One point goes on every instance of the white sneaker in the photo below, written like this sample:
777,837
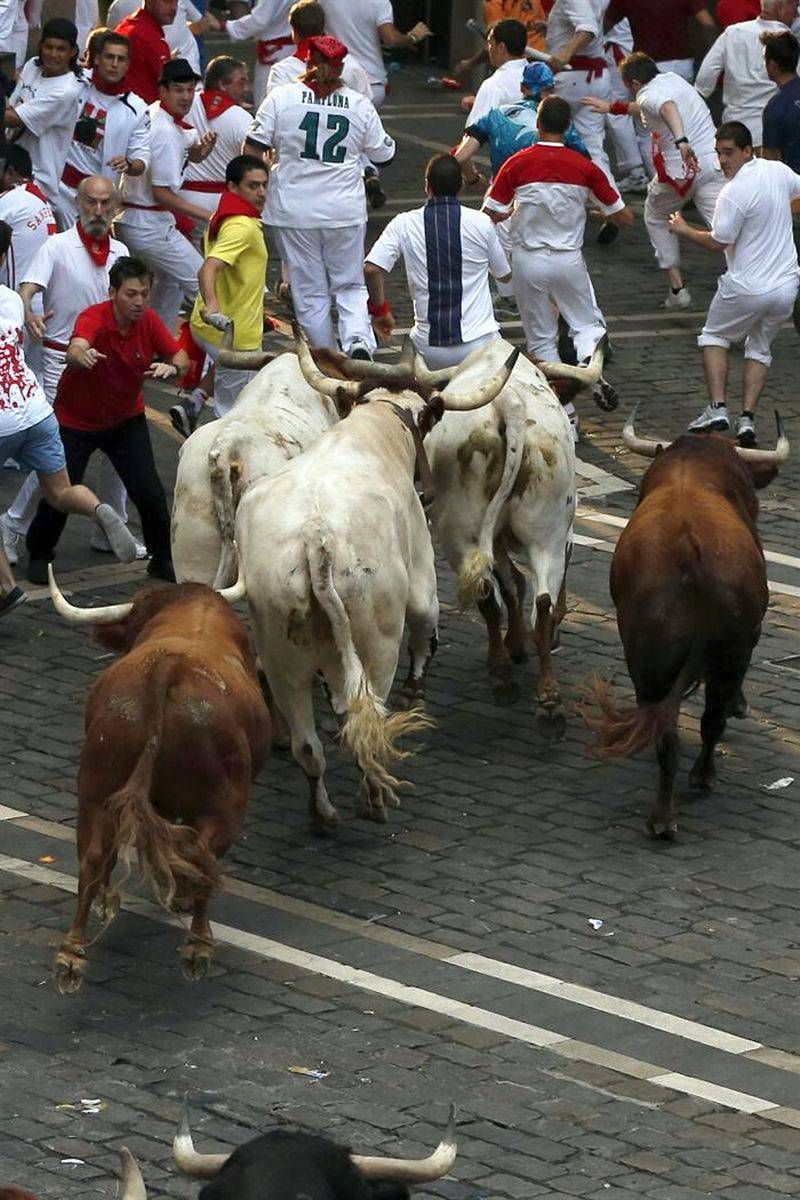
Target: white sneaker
680,299
101,544
636,181
11,542
713,419
359,350
746,431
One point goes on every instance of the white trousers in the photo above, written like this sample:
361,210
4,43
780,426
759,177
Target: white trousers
109,487
326,266
572,86
662,200
543,278
439,357
174,261
378,93
754,320
228,382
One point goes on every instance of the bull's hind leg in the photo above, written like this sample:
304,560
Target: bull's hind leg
504,686
198,949
512,589
722,694
548,696
297,705
422,618
96,856
662,822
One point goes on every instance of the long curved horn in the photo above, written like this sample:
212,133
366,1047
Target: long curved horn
414,1170
186,1158
432,378
237,591
466,401
83,616
644,446
775,457
244,360
132,1183
315,378
407,354
586,375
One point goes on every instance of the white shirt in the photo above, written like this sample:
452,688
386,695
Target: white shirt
22,400
32,222
178,35
502,87
268,22
288,69
746,88
481,253
318,178
71,281
87,18
697,123
169,146
49,109
356,22
231,128
568,17
123,128
752,218
620,35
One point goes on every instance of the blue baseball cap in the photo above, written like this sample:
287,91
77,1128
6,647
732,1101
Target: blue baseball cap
537,76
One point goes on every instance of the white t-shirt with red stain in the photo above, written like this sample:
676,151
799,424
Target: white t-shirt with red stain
547,187
48,106
32,221
22,400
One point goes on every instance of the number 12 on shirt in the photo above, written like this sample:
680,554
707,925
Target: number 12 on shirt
333,151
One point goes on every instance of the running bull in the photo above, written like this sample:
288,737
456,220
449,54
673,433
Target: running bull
337,558
689,583
175,731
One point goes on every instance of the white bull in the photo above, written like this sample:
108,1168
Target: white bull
337,557
504,480
276,417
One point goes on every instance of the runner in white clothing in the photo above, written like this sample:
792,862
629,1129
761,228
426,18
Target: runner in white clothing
307,19
112,133
448,251
268,23
153,202
684,156
367,27
320,129
505,46
217,109
752,225
44,104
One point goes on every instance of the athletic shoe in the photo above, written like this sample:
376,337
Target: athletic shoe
679,299
37,571
161,568
360,350
636,182
11,541
100,543
609,232
183,418
120,538
746,431
605,396
12,599
713,419
375,193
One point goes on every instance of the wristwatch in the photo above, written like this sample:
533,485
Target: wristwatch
681,140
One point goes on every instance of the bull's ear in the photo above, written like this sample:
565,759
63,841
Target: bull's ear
761,473
431,414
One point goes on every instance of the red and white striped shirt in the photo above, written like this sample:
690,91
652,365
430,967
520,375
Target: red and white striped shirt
547,187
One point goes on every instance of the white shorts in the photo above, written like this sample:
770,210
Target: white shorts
754,320
440,357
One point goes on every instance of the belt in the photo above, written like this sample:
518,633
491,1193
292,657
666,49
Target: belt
265,51
144,207
594,67
71,176
203,185
50,344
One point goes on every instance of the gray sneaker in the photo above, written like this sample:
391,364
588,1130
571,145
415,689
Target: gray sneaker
120,538
746,431
713,419
12,600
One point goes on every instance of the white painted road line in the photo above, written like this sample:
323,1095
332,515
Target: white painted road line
458,1010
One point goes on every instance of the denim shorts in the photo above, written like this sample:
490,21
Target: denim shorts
37,448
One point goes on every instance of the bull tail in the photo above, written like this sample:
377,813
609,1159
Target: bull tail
171,859
623,731
225,477
370,732
475,580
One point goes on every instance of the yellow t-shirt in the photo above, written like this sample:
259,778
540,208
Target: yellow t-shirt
239,285
526,11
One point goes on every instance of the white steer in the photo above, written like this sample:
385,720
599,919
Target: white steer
276,417
337,557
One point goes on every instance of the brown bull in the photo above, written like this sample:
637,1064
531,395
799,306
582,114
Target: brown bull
175,732
689,583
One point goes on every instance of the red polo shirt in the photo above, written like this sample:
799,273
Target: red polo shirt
111,392
660,27
149,52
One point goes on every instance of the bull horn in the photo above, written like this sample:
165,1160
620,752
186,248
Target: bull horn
132,1183
432,378
237,591
775,457
644,446
186,1158
83,616
407,355
466,401
244,360
315,378
413,1170
586,375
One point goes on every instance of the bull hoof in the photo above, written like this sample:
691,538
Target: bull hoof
505,688
196,960
701,780
409,696
740,709
517,651
68,972
551,719
664,831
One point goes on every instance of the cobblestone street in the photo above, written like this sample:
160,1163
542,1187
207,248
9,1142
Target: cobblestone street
612,1016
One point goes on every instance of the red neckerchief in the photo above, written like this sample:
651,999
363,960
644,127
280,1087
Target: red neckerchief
231,205
31,187
98,251
179,121
215,103
109,89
